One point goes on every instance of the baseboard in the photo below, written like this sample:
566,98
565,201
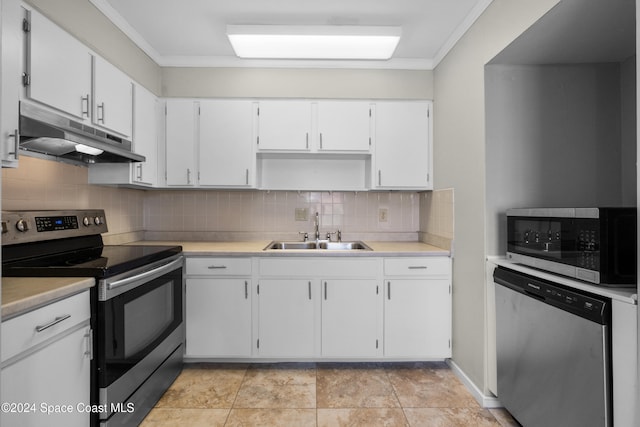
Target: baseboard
486,401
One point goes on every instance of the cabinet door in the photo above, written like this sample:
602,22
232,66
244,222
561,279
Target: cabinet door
58,374
181,142
145,136
226,143
402,145
284,125
417,320
113,97
218,317
59,68
344,125
351,318
287,316
10,72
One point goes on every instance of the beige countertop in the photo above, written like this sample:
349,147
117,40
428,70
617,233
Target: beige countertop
255,248
22,294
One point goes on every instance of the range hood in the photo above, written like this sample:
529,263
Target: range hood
45,132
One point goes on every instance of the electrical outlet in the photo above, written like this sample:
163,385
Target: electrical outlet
383,215
302,214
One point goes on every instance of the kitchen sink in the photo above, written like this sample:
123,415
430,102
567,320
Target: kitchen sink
291,245
344,246
322,245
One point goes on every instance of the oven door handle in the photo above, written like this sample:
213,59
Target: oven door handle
147,275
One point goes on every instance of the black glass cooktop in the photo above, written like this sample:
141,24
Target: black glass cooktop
99,262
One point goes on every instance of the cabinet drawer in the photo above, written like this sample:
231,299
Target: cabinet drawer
20,333
343,267
218,266
436,266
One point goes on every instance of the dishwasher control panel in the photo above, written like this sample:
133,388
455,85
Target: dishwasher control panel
583,304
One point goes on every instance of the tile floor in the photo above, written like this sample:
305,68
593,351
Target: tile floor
323,395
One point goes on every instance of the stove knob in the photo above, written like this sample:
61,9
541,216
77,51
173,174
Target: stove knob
97,221
22,225
86,221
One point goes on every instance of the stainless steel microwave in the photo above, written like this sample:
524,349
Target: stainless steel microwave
597,245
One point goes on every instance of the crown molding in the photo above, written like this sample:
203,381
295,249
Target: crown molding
460,31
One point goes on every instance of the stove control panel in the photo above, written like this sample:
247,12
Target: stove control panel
33,226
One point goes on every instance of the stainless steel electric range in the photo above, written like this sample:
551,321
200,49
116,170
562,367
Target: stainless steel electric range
137,303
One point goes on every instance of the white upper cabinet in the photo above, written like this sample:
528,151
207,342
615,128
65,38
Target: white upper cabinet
318,126
344,125
64,74
181,133
284,125
113,98
59,68
145,136
10,74
226,156
403,145
146,131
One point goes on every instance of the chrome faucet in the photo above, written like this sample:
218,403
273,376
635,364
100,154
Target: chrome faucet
317,225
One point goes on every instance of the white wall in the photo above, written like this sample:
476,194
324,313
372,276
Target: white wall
554,139
292,83
459,153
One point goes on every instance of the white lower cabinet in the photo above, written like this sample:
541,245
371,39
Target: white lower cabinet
287,317
417,318
218,306
417,308
218,317
351,318
46,366
337,308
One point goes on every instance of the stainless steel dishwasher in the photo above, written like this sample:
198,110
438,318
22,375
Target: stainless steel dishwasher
553,352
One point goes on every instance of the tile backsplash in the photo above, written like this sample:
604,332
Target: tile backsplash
250,215
230,215
44,184
436,218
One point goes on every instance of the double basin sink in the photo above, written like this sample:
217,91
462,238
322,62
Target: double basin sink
320,245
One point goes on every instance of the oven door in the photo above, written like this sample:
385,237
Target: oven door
139,325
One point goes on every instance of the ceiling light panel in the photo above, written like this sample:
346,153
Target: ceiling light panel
313,42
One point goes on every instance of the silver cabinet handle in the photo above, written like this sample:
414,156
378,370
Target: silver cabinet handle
16,144
89,350
379,177
246,290
101,110
309,289
418,267
188,176
139,167
55,321
307,140
85,101
325,290
388,290
247,177
217,267
321,140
